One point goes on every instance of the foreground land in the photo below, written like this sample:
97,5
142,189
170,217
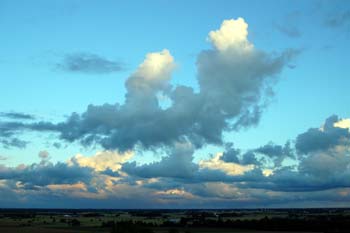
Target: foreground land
174,221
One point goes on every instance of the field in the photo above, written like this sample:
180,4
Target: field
173,221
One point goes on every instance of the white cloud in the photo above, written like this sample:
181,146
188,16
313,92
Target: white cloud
267,172
175,193
344,124
232,169
153,74
103,160
157,65
232,34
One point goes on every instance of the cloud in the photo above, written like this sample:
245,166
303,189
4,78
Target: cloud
89,64
45,173
288,25
232,169
343,123
235,83
288,30
3,157
231,154
232,177
175,194
323,164
233,34
17,116
323,138
108,161
57,145
249,158
13,142
276,152
338,20
178,164
43,155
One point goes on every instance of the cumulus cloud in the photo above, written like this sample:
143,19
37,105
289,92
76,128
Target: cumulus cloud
233,34
178,164
230,177
323,138
276,152
231,154
45,173
235,82
88,63
323,162
109,161
233,169
343,123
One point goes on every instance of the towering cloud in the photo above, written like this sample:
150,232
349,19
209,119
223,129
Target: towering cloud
233,34
235,81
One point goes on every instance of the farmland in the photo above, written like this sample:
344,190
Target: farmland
173,221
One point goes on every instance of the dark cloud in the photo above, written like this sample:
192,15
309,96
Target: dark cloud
271,150
178,168
57,145
276,152
17,116
318,173
324,168
13,142
338,20
178,164
323,165
109,172
231,154
46,173
308,179
249,158
89,63
322,138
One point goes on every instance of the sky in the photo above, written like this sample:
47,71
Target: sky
174,104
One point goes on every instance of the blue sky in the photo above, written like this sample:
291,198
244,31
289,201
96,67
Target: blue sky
59,57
